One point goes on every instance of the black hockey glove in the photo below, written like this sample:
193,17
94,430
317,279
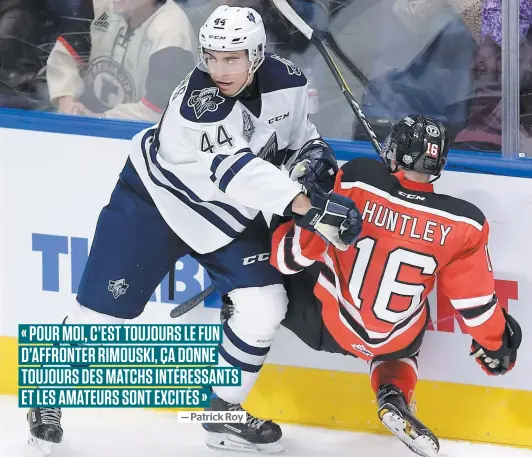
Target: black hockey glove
333,217
315,164
501,361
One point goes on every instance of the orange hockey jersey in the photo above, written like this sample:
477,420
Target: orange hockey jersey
373,296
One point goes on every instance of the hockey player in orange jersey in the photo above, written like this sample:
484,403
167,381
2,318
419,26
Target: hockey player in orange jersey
370,301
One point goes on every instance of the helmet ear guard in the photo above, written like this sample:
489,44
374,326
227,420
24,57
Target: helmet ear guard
417,143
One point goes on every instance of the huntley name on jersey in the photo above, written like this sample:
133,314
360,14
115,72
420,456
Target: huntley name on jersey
404,224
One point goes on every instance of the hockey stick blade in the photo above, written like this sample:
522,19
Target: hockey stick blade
194,301
296,20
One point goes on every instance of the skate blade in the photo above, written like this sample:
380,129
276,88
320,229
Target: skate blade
223,441
45,448
423,444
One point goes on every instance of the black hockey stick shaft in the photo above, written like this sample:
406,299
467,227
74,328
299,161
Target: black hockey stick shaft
188,305
331,42
289,13
347,93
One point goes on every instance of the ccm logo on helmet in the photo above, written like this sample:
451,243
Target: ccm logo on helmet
410,196
217,37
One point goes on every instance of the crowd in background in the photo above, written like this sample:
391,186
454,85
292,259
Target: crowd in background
121,59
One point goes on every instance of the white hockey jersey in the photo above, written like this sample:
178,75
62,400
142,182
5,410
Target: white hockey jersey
130,72
215,162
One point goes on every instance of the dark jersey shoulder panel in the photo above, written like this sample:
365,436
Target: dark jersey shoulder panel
277,73
375,173
203,102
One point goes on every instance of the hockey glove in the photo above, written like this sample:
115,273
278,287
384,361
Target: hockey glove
315,164
501,361
333,217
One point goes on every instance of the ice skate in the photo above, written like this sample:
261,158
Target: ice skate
45,429
397,417
255,435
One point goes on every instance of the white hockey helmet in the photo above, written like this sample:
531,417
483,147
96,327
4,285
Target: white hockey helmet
232,28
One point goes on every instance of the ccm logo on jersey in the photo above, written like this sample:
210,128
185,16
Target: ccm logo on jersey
278,118
410,196
256,258
362,349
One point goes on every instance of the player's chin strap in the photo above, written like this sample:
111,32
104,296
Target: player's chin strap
245,86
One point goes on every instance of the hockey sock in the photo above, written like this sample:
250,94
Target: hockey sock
401,373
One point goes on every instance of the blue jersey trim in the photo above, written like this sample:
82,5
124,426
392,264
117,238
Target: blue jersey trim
232,171
188,197
459,161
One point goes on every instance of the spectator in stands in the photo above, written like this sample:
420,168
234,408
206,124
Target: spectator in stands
416,55
28,30
483,130
139,51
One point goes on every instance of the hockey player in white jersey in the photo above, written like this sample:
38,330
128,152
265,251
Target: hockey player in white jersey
196,184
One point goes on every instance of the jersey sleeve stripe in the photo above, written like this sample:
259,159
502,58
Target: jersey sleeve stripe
289,258
297,253
282,265
278,248
184,194
460,304
216,163
238,216
226,160
238,165
475,312
70,50
484,316
475,316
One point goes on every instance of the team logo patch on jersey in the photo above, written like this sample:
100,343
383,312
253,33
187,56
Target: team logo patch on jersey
292,68
111,82
248,128
269,152
203,100
432,130
118,287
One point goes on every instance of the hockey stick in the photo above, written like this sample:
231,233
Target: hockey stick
289,13
188,305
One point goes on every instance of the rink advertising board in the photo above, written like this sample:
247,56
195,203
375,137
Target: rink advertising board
57,173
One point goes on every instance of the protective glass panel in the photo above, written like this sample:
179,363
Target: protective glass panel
122,59
525,78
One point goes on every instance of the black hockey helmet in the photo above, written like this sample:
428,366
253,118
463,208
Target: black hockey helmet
417,143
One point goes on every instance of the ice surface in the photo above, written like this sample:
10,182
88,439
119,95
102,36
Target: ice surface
136,432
